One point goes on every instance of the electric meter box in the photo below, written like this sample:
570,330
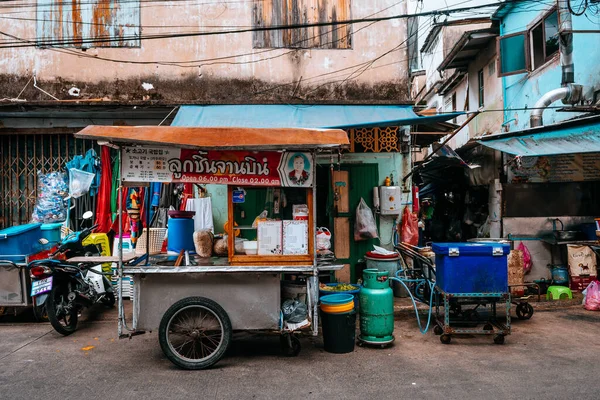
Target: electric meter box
389,200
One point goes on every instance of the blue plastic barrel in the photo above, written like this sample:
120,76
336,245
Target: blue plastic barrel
181,234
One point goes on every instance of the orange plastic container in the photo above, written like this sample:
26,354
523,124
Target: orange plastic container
338,308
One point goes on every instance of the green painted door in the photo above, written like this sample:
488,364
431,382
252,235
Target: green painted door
360,182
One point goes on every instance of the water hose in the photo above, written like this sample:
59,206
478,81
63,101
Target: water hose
403,281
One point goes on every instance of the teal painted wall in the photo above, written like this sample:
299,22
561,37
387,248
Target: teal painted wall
388,163
523,90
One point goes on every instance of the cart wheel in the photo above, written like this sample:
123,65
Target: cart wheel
471,315
438,330
524,310
290,345
488,327
499,339
445,339
194,333
455,309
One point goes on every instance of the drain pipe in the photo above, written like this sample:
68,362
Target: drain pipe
569,93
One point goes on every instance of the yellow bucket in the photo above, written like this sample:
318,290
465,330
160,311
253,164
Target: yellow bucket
338,308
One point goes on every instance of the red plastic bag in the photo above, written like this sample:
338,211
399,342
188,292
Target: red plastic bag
527,262
592,296
410,229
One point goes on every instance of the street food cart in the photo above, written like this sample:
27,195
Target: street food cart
196,304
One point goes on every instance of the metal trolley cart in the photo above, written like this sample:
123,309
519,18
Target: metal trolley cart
197,303
15,287
460,315
472,282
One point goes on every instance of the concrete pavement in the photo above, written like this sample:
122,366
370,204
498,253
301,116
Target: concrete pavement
553,355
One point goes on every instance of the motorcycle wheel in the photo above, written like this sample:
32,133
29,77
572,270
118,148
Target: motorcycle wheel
195,333
109,300
63,323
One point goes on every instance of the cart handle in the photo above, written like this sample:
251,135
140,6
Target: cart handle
10,264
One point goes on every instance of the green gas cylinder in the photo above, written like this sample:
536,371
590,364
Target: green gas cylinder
376,308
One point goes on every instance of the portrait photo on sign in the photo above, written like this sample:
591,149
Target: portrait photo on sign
298,169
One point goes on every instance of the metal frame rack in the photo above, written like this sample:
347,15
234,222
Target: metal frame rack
454,320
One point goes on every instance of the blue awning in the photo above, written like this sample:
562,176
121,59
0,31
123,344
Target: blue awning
580,135
303,116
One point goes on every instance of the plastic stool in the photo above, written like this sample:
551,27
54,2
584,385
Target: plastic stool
558,293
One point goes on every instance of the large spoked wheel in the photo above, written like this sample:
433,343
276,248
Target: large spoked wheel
61,315
195,333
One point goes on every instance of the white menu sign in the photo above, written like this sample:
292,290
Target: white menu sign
269,238
148,164
295,237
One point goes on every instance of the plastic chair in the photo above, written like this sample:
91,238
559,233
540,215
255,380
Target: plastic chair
558,293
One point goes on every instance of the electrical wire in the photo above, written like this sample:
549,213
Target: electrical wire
585,5
82,41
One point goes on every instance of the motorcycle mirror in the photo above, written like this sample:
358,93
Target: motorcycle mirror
88,215
43,241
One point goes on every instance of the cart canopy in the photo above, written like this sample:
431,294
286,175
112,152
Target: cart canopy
219,138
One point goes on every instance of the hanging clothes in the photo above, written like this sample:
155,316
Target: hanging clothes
203,208
103,212
116,180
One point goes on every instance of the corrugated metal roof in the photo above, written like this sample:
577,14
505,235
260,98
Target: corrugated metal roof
580,135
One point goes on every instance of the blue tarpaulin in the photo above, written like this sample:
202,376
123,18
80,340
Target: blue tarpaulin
576,136
303,116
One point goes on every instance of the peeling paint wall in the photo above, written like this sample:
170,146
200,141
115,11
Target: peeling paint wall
296,12
88,23
207,68
487,122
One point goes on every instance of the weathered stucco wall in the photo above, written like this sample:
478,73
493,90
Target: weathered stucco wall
523,90
221,68
486,122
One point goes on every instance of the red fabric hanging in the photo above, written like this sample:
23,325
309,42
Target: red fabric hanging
125,224
103,211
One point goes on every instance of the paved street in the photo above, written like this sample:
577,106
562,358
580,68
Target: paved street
554,355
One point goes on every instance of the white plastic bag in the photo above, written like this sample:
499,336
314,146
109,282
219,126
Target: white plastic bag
79,182
323,239
364,226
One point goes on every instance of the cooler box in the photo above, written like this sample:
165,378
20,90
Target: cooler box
20,240
471,267
51,232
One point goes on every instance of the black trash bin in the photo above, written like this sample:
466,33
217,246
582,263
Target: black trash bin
339,331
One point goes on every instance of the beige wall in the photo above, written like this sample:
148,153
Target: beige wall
219,80
487,122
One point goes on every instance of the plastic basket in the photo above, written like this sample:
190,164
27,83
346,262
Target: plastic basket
157,236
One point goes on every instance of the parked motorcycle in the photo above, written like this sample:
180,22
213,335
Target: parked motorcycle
66,288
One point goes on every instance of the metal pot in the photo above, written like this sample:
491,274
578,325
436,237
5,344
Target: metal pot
566,235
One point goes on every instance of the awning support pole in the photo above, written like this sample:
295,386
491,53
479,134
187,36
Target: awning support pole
469,119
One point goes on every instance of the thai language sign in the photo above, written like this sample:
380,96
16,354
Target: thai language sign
262,168
560,168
